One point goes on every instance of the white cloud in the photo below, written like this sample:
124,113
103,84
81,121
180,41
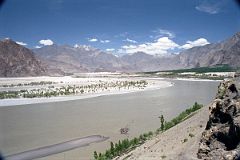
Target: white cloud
158,47
104,41
207,9
76,46
163,33
130,40
198,42
110,49
211,6
46,42
92,39
38,47
21,43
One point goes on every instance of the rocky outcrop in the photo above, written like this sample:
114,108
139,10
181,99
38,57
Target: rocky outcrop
221,138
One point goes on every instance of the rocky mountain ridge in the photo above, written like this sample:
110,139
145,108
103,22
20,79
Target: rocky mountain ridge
16,61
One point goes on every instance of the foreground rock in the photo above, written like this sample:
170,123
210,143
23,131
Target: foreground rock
221,138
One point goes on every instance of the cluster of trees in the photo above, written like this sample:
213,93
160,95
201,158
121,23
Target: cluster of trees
182,116
29,84
199,72
9,94
194,75
122,147
51,91
127,145
216,68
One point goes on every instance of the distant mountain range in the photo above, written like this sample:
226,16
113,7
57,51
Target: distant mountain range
78,59
16,60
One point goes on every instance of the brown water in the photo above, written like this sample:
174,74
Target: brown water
31,126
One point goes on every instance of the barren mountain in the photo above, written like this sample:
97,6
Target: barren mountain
61,59
78,59
225,52
16,60
84,58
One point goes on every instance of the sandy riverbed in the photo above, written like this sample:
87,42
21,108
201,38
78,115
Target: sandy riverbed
152,84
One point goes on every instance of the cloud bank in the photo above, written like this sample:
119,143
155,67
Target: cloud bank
37,46
198,42
46,42
21,43
110,49
130,40
105,41
211,6
92,39
158,47
162,46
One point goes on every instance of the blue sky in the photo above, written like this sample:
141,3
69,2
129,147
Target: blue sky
123,25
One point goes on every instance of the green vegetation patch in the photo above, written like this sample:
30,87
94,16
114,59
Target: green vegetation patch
216,68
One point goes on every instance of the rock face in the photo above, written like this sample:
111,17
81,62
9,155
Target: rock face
16,61
221,138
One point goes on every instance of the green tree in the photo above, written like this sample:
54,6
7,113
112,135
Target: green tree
112,151
135,141
95,155
125,144
100,156
120,147
162,122
108,154
117,150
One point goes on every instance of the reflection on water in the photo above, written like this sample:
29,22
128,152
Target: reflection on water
30,126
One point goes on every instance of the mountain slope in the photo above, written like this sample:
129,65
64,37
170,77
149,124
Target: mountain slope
142,62
226,52
16,60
